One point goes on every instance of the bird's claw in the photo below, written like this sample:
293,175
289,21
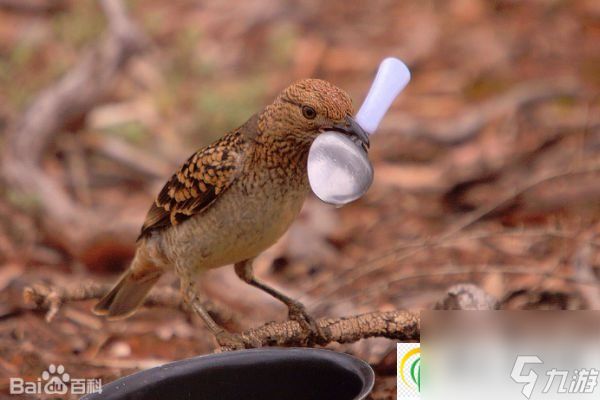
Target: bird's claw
230,340
297,312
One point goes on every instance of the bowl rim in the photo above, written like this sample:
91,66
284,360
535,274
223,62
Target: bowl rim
168,370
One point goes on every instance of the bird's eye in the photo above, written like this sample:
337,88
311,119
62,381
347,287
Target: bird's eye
309,112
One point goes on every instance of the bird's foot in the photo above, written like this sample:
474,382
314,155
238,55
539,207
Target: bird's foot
230,340
297,312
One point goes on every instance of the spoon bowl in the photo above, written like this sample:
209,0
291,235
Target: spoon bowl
338,170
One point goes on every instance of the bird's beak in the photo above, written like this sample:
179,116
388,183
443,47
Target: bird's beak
351,128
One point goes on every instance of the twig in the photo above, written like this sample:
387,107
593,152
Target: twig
469,236
52,297
400,325
397,325
469,270
468,124
130,156
380,261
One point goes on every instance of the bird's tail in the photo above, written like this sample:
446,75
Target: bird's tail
130,291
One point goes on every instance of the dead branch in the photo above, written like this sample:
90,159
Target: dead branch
75,94
401,325
397,325
52,297
464,270
131,157
400,252
468,124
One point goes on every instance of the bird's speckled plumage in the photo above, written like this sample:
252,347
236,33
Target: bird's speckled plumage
233,199
199,181
283,144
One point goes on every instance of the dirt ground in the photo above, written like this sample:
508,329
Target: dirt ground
487,168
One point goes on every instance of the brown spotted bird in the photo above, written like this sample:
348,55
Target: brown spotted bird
233,199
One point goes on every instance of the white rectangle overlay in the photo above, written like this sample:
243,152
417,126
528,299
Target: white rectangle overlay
516,355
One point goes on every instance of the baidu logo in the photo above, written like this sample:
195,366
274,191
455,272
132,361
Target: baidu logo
55,381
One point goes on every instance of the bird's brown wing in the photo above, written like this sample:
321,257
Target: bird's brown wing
197,184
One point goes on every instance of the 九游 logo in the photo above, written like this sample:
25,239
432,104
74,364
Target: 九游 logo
576,381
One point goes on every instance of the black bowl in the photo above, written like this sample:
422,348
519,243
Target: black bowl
258,374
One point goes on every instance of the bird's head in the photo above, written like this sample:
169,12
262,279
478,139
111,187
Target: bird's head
307,108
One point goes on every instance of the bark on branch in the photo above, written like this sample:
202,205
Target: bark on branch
396,325
399,325
52,297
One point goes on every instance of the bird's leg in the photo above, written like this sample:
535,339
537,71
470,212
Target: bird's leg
296,310
224,338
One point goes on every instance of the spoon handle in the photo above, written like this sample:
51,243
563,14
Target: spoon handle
392,76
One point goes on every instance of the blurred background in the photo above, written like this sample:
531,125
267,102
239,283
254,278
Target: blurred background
487,167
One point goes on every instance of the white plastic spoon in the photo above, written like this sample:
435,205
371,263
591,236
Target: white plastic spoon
338,169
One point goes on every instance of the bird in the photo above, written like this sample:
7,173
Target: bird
233,199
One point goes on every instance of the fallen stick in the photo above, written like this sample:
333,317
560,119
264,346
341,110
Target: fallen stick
400,252
396,325
51,298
